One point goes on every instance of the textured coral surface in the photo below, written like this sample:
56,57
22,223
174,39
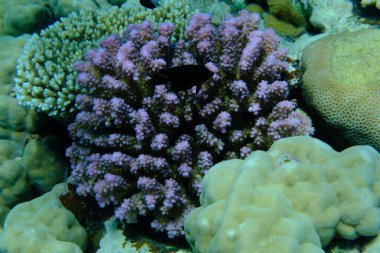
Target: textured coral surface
341,83
294,198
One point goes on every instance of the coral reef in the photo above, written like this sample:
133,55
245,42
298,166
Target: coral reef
45,80
143,148
294,198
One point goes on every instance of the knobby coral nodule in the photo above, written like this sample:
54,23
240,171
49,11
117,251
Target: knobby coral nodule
144,148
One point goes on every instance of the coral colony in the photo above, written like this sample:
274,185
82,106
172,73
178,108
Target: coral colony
144,148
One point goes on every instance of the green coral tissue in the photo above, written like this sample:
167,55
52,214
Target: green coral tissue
45,80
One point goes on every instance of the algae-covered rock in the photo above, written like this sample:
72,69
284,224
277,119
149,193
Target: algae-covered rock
286,17
254,8
287,10
283,28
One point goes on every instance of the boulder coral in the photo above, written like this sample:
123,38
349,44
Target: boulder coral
16,122
294,198
341,84
43,225
27,171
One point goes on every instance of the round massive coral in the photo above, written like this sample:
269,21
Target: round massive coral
341,84
144,148
294,198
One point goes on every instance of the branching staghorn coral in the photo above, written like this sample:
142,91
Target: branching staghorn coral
142,147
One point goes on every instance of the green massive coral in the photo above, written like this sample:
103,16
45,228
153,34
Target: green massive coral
43,225
45,80
294,198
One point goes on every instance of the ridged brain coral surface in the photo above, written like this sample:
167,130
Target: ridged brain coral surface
45,80
143,147
294,198
342,84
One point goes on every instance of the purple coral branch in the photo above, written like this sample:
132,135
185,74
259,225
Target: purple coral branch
144,148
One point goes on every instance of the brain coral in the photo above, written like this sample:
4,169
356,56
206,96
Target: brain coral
342,83
143,147
294,198
45,80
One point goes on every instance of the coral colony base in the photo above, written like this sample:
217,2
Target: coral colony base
144,148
